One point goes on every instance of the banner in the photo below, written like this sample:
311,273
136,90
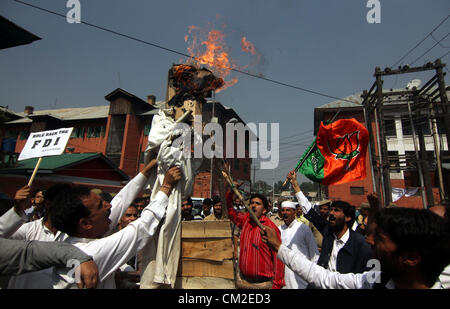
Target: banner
338,154
46,143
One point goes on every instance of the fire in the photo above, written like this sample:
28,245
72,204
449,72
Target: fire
247,46
212,53
208,48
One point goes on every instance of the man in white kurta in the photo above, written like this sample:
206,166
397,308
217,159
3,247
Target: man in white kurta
109,253
299,238
14,227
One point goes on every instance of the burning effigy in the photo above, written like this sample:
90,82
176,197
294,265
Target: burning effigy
188,88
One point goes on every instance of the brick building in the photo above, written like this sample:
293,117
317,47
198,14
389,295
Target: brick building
119,131
401,155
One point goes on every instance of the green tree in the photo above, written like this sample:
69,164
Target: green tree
278,187
262,187
309,186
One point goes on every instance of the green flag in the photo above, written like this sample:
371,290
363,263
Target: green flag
313,165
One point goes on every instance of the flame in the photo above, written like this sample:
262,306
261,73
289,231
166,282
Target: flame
208,48
212,53
247,46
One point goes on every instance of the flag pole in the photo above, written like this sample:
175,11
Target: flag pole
35,171
311,150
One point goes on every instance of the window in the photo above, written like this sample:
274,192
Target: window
389,126
425,124
24,135
90,132
410,158
78,133
406,126
97,131
357,190
440,126
394,161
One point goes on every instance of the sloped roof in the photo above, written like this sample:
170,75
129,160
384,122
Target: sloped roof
55,163
65,114
9,113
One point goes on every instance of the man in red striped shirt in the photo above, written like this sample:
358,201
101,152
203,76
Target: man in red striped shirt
257,262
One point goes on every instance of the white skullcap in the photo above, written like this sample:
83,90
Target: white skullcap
288,204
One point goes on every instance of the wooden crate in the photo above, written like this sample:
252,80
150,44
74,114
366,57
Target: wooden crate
206,255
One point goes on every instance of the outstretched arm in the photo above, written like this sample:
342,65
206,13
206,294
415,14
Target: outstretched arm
315,274
126,196
115,250
18,257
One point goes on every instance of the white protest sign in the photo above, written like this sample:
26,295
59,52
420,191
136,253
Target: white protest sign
46,143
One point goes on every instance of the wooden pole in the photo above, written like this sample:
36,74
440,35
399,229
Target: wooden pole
35,171
236,191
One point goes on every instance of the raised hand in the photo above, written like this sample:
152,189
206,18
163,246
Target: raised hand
292,176
173,175
21,199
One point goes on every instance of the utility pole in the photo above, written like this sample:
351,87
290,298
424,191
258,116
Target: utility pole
437,151
368,123
425,165
446,119
254,175
416,151
273,186
379,119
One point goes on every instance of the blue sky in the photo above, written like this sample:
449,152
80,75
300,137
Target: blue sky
325,46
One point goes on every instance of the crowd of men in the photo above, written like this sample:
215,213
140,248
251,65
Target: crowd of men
300,246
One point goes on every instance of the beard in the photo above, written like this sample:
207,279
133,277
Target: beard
338,224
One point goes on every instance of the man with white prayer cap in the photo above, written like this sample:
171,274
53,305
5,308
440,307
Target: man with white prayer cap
296,236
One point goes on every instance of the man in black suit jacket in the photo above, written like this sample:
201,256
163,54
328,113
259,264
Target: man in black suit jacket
343,250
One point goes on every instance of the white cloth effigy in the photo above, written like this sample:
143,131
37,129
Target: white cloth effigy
160,257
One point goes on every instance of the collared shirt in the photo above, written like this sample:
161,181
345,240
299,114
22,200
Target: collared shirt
36,230
256,259
298,237
338,244
326,279
110,253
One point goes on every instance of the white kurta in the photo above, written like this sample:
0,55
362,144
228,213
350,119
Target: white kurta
326,279
298,237
160,257
110,253
35,230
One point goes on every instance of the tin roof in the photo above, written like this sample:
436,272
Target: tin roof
63,161
65,114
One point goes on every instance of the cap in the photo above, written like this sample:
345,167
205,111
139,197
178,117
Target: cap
288,204
324,202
